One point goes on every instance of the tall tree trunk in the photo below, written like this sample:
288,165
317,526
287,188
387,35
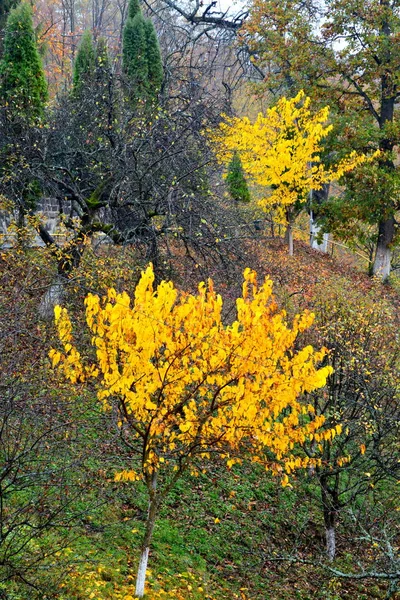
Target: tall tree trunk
386,231
383,255
145,549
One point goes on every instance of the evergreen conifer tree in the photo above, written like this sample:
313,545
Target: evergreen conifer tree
142,62
134,56
154,62
23,86
93,95
237,185
5,7
134,9
85,61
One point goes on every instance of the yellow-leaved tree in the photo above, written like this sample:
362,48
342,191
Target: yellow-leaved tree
186,384
281,150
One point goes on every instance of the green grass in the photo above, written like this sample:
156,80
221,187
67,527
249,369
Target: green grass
219,529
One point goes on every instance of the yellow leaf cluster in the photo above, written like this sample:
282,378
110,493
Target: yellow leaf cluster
281,150
189,383
70,360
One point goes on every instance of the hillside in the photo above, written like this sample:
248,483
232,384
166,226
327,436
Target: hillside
227,533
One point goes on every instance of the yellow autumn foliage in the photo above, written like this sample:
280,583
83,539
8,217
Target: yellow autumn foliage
281,150
186,383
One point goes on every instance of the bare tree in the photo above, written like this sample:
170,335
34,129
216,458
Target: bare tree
362,396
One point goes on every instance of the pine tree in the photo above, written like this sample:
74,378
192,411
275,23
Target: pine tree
23,85
236,181
84,65
142,62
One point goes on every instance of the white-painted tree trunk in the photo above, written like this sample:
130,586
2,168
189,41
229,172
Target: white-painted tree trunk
383,255
315,235
330,534
151,519
382,262
53,296
141,573
289,238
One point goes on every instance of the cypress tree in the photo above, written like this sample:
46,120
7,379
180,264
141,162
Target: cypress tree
237,185
93,93
154,62
23,84
141,55
134,9
84,65
5,7
134,57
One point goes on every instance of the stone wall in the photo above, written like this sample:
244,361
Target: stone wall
48,208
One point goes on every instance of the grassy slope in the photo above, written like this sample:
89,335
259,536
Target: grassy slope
218,534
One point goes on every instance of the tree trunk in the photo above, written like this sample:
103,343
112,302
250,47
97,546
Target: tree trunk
289,238
383,255
141,574
330,503
330,536
317,199
144,555
69,258
53,296
315,230
22,240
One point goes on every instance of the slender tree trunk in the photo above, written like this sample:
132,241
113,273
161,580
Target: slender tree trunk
371,255
20,216
145,549
289,233
383,255
21,222
72,28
